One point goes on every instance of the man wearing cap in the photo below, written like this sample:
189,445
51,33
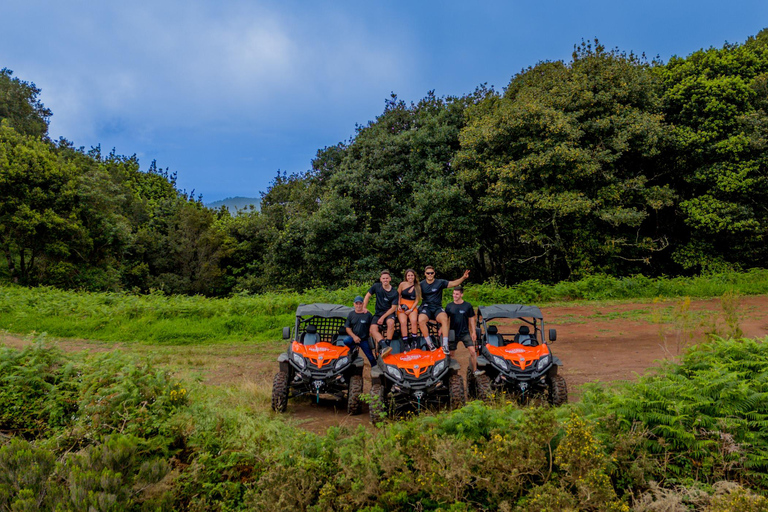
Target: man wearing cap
464,324
432,304
358,325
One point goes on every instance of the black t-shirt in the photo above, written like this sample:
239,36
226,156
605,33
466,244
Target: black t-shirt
459,315
409,292
359,323
432,294
384,298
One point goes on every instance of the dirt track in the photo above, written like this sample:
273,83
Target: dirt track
595,342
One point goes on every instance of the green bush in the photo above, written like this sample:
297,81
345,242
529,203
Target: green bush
706,418
135,439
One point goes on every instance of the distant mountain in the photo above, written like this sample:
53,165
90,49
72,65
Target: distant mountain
234,204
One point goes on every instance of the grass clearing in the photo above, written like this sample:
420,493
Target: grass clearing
162,320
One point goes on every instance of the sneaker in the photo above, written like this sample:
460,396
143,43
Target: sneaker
386,351
430,346
446,351
479,373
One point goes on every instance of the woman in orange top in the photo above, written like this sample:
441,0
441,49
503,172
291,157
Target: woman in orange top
409,293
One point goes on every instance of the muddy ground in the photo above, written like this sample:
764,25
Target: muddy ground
596,342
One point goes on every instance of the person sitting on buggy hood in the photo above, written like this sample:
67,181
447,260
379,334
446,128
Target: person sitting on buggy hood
432,304
386,306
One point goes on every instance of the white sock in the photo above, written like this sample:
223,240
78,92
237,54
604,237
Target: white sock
445,341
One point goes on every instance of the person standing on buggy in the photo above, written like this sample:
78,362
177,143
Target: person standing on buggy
358,326
432,305
463,321
386,306
409,299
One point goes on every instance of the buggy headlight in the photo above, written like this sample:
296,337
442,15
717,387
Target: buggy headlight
342,362
299,360
393,371
438,368
500,362
543,363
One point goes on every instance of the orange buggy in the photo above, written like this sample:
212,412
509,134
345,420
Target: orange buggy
317,362
517,359
414,379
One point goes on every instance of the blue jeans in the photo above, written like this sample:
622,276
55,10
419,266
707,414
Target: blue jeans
364,346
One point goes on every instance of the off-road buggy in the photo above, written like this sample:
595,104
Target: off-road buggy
317,362
516,358
412,378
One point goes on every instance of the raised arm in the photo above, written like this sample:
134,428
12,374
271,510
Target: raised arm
458,281
366,299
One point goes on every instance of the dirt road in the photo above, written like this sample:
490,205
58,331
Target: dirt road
596,342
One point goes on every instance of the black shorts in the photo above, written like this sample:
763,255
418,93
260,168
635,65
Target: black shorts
466,339
375,320
431,311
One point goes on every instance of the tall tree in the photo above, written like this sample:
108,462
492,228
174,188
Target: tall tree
20,106
38,220
717,99
565,168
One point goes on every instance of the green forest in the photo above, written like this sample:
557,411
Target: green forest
611,163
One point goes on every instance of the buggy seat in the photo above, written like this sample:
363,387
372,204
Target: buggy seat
309,336
494,338
524,337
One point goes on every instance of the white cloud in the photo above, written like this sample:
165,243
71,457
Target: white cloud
176,63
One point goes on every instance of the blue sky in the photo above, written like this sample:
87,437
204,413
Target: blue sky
227,93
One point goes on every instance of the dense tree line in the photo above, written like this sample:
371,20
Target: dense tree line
609,163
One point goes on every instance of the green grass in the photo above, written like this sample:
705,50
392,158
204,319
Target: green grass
182,320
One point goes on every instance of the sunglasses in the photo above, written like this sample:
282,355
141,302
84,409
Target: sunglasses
429,273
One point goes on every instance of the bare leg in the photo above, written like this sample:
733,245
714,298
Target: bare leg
473,358
390,328
403,318
413,316
423,319
375,333
442,319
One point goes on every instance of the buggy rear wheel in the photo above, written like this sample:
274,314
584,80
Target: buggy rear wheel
558,391
377,408
456,390
354,404
483,387
280,392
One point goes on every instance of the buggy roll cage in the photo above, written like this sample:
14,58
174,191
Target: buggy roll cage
516,312
327,318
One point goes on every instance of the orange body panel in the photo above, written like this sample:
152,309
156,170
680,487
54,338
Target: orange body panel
519,355
415,362
320,354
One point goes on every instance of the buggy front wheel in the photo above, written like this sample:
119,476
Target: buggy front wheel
354,404
558,391
280,392
377,408
456,390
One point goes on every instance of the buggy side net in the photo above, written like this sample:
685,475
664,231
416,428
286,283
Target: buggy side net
327,328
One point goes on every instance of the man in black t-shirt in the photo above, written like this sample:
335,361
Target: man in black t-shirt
386,306
358,325
464,324
432,304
